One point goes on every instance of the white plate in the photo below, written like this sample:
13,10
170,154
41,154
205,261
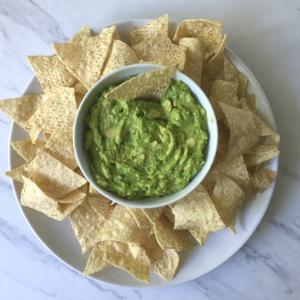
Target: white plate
58,237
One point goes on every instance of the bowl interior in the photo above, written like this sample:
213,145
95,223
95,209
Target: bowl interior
80,129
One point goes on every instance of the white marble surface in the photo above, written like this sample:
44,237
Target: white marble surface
266,35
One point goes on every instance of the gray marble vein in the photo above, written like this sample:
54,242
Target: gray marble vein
268,266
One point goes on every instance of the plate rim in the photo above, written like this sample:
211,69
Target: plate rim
271,118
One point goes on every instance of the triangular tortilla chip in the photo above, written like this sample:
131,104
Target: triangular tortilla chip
96,260
262,178
169,214
26,149
161,49
208,32
79,88
228,198
86,224
17,173
60,146
56,112
34,197
231,73
265,130
153,214
261,153
197,211
51,72
194,58
82,36
243,131
168,238
52,176
149,84
102,206
121,55
141,220
21,109
86,60
157,28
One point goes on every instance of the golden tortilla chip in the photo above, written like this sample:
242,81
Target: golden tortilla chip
243,131
141,220
79,89
86,60
149,84
228,198
194,58
82,36
26,149
169,214
121,55
223,92
231,73
34,197
161,50
21,109
129,257
56,112
52,176
168,238
92,191
157,28
223,141
122,227
208,32
265,130
86,224
261,153
153,214
164,263
213,67
197,211
51,72
262,178
17,173
102,206
60,146
96,260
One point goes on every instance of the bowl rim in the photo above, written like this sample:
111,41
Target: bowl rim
211,147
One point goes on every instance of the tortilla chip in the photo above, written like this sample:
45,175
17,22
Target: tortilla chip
197,211
141,220
194,58
231,73
208,32
169,214
52,176
200,235
168,238
243,131
26,149
206,84
86,60
161,49
223,92
149,84
129,257
17,173
34,197
265,130
122,227
92,191
96,260
21,109
82,36
223,141
86,224
164,263
228,198
102,206
213,67
51,72
121,55
60,146
79,89
153,214
261,153
157,28
262,178
56,112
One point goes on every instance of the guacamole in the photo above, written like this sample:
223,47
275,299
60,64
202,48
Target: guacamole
146,148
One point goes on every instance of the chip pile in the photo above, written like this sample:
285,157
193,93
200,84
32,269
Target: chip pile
140,241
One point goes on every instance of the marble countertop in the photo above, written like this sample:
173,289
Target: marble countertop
266,35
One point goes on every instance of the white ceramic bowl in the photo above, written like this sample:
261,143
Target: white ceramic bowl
80,129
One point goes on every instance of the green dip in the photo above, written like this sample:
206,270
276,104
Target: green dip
146,148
